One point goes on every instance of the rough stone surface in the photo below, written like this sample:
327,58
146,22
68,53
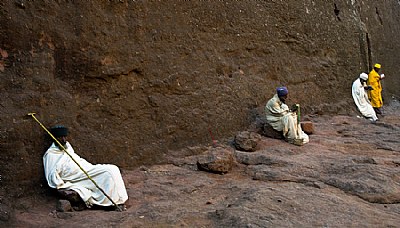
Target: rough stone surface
138,80
133,79
270,132
246,141
344,177
63,206
70,195
216,160
5,213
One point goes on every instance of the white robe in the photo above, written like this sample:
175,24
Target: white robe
361,99
63,173
281,119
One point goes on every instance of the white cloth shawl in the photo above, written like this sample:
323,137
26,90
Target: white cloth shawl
63,173
281,119
361,99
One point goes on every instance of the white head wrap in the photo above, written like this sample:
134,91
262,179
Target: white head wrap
364,76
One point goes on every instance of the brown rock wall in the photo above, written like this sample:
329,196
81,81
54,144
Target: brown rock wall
135,79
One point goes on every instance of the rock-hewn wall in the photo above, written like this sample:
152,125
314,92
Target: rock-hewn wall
136,79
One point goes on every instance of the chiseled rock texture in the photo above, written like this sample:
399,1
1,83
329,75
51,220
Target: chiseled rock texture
346,176
134,80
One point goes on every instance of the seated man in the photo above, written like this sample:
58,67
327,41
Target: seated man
360,97
282,119
63,173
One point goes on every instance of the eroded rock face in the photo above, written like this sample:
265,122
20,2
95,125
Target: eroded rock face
136,79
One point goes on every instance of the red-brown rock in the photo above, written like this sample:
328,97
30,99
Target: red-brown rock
216,160
308,127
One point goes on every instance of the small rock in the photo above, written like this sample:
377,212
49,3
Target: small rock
308,127
70,195
63,206
247,141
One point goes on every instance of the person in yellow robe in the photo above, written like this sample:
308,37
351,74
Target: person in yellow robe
375,95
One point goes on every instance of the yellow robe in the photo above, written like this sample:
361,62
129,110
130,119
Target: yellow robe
374,80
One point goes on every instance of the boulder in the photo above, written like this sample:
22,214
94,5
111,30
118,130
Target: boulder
216,160
246,141
308,127
73,198
270,132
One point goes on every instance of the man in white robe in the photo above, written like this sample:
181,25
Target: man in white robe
360,97
63,173
282,119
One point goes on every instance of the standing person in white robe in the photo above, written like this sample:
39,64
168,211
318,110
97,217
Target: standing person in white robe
63,173
281,118
360,97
